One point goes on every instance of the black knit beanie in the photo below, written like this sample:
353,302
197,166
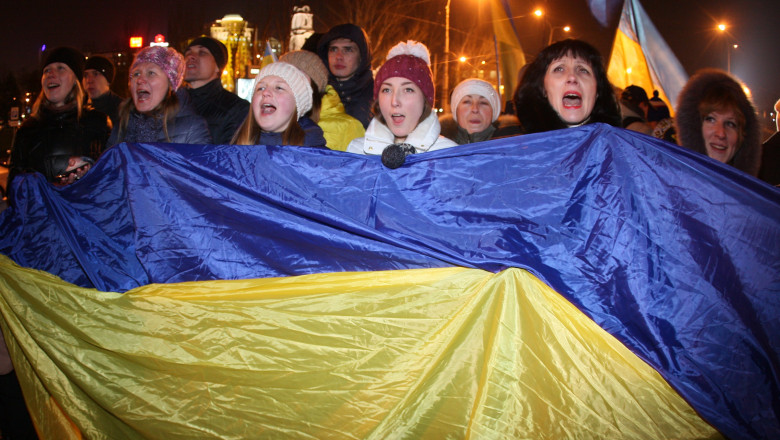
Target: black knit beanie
217,49
68,56
102,65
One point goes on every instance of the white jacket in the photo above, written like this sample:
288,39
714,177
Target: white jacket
425,137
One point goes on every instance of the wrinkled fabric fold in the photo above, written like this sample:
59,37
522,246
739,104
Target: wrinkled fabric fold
436,353
672,253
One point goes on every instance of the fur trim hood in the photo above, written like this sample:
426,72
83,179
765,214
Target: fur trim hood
688,121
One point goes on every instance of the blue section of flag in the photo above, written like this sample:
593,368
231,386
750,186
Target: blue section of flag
675,254
604,10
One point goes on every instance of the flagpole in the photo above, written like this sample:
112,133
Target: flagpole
498,68
445,97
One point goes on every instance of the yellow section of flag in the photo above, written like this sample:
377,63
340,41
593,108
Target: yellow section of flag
434,353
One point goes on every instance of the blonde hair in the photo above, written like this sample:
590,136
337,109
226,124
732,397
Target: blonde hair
76,96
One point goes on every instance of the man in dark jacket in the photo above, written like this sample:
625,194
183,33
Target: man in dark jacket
345,50
98,76
205,59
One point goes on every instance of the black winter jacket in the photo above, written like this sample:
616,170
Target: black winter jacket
45,143
108,103
224,111
186,127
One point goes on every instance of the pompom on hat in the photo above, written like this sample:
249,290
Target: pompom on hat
310,64
410,60
297,80
168,59
474,86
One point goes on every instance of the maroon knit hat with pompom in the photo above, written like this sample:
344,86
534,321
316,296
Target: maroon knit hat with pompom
409,60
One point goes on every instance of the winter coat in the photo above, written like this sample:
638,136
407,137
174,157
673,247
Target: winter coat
632,120
45,142
186,127
770,160
224,111
338,127
504,126
108,103
312,135
689,122
425,137
357,92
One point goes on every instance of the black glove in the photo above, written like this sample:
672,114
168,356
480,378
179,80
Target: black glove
394,155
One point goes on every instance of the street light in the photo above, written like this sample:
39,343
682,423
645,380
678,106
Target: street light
552,31
729,46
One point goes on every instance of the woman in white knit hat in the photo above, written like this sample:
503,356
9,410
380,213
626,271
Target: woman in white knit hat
476,108
278,115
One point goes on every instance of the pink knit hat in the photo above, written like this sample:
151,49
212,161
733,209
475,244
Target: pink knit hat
410,60
168,59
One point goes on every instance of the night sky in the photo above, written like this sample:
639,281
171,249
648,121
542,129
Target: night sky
687,26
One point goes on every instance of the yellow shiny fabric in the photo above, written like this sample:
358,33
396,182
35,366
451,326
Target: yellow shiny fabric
627,54
436,353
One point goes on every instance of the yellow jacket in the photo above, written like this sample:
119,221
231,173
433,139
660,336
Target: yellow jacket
338,127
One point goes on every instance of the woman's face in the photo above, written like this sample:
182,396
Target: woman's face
148,86
474,113
401,103
721,131
570,86
273,104
57,82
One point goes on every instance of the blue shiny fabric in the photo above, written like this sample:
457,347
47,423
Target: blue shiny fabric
676,255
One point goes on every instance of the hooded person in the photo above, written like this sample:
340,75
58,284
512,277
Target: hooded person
476,114
328,111
345,50
61,138
280,109
715,118
403,106
205,59
158,110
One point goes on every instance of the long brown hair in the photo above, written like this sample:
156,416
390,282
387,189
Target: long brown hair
249,132
427,109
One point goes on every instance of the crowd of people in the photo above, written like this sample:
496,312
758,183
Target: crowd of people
327,96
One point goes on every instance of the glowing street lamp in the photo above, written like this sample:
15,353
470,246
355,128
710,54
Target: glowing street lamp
729,46
552,31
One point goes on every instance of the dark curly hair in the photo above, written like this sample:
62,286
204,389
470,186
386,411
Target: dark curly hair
534,110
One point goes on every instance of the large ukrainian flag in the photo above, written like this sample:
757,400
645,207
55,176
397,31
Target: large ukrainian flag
584,283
